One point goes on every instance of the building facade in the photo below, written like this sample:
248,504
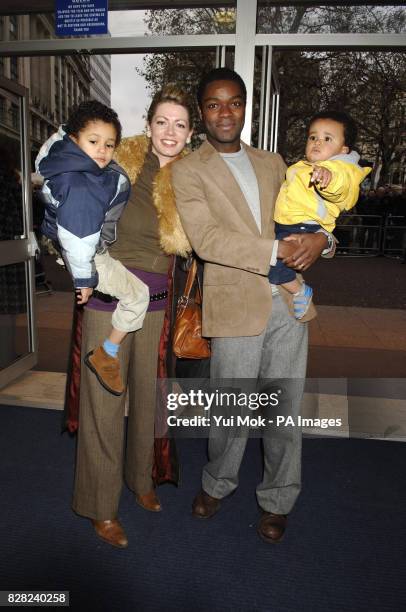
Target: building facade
100,73
55,83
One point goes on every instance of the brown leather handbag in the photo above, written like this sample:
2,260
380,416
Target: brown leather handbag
187,333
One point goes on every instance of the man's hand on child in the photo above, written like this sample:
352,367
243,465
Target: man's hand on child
286,248
83,295
309,248
321,176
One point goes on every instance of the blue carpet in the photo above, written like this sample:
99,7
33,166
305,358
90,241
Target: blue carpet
344,551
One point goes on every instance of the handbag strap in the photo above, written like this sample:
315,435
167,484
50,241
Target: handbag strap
190,279
199,292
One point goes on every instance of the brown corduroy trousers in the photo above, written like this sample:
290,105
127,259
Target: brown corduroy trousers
101,460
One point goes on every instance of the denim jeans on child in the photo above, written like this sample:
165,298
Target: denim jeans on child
280,273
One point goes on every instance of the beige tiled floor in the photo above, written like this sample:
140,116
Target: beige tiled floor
55,310
359,328
36,389
335,327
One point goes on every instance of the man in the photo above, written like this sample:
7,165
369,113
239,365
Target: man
225,194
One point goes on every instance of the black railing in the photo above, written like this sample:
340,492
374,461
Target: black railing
371,235
394,236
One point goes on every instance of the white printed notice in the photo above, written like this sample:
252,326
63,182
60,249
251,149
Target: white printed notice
80,17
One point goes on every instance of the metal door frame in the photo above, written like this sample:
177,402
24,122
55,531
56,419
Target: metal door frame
18,251
243,41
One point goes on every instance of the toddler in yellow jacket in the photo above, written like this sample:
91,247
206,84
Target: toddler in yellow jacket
316,190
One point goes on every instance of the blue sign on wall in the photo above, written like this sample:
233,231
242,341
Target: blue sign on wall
80,17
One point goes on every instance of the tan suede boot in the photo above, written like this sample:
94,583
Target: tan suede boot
107,370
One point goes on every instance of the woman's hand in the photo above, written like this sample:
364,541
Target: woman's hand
308,248
83,295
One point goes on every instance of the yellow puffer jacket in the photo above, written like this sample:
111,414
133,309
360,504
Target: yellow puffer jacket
299,200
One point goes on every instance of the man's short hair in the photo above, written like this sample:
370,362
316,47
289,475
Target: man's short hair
348,123
92,110
219,74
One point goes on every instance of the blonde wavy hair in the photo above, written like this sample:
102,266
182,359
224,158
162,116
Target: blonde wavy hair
171,92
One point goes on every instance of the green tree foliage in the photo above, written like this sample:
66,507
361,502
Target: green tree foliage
330,19
180,66
369,85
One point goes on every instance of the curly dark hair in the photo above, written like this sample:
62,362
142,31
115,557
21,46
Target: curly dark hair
220,74
92,110
348,123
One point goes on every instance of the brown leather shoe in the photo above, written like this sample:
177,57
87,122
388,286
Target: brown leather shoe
271,527
204,505
111,532
149,501
107,370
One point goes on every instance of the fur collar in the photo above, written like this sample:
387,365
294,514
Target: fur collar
130,155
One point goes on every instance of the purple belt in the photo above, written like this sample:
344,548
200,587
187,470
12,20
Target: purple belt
158,291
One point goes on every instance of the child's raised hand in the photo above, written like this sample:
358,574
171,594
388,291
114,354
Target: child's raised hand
321,176
83,295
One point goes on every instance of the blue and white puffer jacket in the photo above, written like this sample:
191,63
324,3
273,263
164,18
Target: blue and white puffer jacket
82,204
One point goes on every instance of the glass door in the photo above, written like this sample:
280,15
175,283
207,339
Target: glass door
18,343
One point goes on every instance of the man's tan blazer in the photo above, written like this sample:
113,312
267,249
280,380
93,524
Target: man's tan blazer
237,297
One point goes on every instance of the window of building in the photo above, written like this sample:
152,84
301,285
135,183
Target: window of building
63,89
14,68
2,110
70,93
13,27
15,118
43,131
36,128
1,64
57,86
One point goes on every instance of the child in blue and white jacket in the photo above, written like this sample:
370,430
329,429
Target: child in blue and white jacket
85,192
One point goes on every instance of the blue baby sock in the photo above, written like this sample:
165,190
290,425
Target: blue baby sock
111,348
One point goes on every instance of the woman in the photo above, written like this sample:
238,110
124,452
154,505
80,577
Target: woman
148,231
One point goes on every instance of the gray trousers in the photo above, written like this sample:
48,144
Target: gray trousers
279,353
104,455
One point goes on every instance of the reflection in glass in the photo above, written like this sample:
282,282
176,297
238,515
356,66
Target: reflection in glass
14,331
368,85
275,19
184,67
163,22
155,22
11,204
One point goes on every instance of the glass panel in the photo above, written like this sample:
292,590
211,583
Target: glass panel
14,330
368,85
11,196
156,22
162,22
55,85
127,82
184,67
309,82
272,18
